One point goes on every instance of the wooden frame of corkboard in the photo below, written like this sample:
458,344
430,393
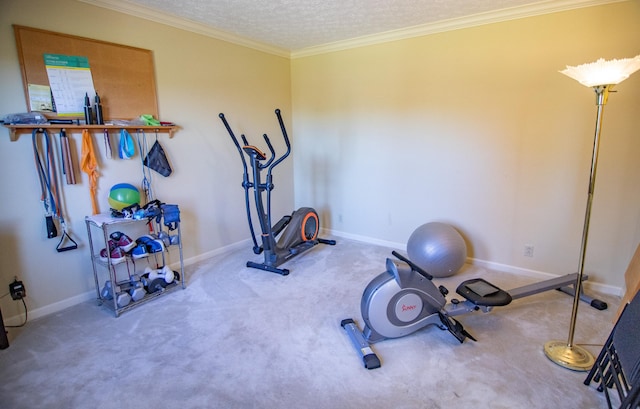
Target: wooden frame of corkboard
123,76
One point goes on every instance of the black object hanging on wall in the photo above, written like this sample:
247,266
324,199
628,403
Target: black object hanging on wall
157,160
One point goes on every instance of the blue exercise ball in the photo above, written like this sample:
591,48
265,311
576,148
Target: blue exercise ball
437,248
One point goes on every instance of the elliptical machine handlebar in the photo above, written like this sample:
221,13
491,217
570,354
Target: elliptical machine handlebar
270,163
246,183
235,140
248,148
273,152
286,141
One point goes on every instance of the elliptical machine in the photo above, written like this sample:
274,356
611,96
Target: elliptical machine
404,299
299,230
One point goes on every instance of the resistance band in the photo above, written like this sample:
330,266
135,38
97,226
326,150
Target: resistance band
89,165
50,197
46,175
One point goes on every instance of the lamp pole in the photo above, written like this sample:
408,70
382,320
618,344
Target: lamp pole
601,76
568,354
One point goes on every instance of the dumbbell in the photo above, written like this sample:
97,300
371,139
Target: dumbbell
135,289
155,285
107,292
137,292
122,298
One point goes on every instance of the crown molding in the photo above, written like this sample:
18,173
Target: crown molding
497,16
512,13
185,24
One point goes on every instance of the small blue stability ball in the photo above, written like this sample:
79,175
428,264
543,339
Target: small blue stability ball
437,248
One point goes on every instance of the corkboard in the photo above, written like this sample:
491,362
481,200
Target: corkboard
123,76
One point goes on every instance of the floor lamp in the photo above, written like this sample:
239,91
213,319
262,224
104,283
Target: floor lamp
601,76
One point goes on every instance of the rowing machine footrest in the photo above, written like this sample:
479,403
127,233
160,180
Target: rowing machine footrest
599,305
482,293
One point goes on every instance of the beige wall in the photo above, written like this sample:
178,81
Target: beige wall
477,128
197,78
474,127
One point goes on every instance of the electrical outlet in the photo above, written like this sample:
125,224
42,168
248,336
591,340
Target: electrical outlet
17,290
528,250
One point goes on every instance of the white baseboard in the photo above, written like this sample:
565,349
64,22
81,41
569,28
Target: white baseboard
365,239
91,295
51,308
540,275
213,253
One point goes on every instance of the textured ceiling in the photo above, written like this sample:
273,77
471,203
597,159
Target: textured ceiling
294,25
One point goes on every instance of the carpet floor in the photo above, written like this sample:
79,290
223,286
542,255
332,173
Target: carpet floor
243,338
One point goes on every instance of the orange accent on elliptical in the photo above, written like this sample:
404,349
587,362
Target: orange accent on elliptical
304,222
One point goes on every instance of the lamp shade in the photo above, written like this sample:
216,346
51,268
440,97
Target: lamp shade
603,72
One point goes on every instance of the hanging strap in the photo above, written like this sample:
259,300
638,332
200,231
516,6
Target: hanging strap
146,173
46,174
66,238
46,169
107,144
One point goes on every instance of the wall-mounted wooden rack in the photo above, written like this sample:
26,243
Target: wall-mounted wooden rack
16,130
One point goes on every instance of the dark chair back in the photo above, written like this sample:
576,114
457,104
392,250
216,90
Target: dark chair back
618,365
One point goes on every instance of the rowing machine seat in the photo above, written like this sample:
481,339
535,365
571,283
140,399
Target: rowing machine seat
482,293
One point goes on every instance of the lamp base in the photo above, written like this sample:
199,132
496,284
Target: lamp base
573,357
